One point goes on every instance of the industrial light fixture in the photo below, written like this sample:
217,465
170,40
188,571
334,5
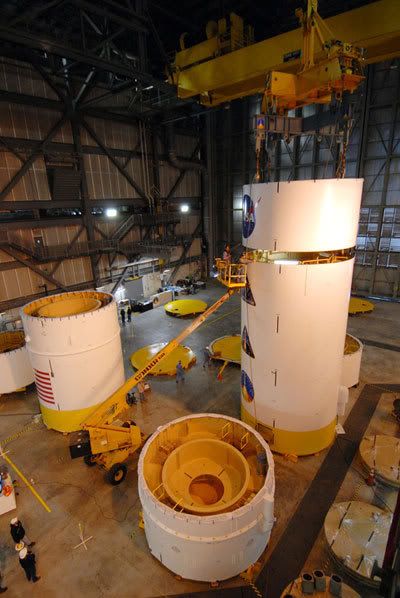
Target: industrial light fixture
286,262
111,212
184,208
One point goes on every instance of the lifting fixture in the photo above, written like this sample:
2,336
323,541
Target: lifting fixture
319,63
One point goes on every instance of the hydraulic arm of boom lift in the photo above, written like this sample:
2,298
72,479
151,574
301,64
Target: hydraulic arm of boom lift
110,445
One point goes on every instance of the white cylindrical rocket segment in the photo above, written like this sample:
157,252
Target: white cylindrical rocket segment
299,237
75,350
15,368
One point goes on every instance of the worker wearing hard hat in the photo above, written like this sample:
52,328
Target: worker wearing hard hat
27,560
18,533
227,256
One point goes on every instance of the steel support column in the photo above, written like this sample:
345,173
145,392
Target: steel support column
35,154
86,205
210,202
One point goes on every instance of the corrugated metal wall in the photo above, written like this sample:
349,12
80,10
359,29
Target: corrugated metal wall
28,123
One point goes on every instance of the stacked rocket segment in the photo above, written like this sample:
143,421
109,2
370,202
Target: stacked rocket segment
74,345
299,238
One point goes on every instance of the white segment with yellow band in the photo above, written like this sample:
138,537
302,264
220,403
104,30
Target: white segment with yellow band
299,238
74,345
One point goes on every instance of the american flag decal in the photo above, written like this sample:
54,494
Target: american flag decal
44,388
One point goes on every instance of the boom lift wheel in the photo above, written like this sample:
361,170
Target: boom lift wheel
88,459
116,474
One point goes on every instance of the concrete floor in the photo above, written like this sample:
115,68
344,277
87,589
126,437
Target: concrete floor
117,562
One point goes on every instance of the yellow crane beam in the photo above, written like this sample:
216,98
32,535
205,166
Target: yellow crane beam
374,27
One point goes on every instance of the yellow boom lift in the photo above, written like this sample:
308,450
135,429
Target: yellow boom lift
109,445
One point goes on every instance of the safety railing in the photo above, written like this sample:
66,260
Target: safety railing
232,276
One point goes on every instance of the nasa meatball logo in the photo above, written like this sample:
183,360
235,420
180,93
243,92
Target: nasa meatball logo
249,216
247,387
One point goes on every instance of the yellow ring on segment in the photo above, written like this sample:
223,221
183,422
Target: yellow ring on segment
287,442
66,421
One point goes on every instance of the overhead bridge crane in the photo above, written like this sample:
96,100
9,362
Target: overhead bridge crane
102,440
319,63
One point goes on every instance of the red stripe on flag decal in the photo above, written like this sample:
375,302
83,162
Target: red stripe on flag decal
45,385
43,373
46,396
46,400
45,393
42,378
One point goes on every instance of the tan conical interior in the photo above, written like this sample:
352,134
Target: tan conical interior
205,475
67,304
9,341
204,465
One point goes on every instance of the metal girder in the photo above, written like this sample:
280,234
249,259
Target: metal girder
87,208
131,21
186,248
121,279
55,46
46,222
18,302
47,78
114,161
13,253
111,93
20,144
182,172
52,204
362,144
35,154
70,245
26,16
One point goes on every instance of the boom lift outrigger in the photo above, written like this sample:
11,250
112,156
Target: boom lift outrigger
109,445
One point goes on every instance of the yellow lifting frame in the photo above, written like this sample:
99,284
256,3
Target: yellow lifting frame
374,27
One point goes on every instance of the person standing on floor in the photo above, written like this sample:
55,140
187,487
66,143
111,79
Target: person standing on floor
206,357
27,560
141,387
4,588
180,374
122,313
129,313
18,533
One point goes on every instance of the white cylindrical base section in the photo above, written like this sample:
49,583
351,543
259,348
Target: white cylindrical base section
207,547
77,360
352,363
15,368
296,330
